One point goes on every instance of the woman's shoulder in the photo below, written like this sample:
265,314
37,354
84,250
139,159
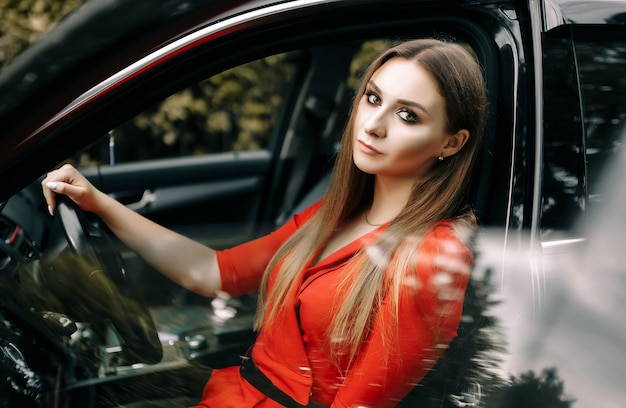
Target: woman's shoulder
462,230
449,237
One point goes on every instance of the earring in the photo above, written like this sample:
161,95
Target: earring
440,158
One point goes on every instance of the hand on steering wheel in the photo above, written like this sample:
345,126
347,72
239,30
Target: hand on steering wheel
99,286
71,183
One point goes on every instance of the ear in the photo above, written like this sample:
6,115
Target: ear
455,142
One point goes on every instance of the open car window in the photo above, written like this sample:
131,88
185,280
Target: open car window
235,111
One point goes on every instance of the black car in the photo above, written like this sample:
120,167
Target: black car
221,119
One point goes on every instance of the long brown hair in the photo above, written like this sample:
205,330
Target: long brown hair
443,194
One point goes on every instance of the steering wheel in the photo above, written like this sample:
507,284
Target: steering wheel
93,283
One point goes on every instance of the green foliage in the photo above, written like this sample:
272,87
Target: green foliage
233,111
25,21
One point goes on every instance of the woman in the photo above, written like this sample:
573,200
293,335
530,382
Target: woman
362,292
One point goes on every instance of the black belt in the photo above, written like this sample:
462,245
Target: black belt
258,380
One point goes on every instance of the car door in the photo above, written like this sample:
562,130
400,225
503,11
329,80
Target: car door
557,297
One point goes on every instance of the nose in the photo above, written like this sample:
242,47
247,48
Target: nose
375,124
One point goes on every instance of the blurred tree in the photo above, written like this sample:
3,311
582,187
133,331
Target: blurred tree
236,110
531,390
25,21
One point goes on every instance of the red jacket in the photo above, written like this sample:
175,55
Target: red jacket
292,353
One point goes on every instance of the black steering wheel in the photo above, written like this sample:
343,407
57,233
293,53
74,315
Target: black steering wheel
93,283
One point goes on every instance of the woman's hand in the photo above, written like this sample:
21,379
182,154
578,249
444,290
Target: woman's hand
70,182
186,262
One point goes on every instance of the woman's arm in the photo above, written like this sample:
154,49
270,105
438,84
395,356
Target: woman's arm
184,261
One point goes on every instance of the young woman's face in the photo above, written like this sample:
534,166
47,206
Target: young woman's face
400,121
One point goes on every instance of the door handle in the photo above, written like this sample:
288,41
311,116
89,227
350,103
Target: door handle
147,198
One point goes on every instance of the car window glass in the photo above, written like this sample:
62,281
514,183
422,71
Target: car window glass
234,111
602,70
587,75
563,171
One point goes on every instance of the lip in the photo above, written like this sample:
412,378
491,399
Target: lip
367,148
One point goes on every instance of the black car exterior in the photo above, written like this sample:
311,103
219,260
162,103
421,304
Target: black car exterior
541,326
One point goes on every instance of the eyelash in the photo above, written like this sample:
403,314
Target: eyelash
405,114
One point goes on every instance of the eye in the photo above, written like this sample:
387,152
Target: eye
372,98
408,116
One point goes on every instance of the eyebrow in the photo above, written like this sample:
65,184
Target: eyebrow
401,101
